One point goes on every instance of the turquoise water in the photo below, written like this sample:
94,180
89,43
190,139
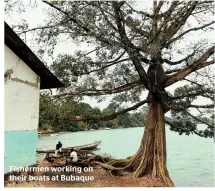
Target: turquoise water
190,159
19,148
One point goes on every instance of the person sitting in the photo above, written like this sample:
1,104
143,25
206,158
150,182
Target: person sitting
58,148
72,157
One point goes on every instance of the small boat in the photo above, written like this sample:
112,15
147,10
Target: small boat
53,135
82,147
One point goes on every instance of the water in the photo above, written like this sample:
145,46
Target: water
190,159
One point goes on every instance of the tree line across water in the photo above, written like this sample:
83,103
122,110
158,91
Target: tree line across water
59,115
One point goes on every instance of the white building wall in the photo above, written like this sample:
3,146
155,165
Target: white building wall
21,91
21,94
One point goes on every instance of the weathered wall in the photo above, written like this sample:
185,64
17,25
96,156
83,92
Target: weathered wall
21,111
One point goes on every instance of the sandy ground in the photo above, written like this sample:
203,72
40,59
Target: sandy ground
101,179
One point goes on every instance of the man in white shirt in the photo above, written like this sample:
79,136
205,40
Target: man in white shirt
72,157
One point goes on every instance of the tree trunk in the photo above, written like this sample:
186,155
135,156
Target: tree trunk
151,156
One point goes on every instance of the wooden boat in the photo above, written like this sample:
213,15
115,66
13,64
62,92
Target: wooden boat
82,147
53,135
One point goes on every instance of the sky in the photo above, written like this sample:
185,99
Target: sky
35,16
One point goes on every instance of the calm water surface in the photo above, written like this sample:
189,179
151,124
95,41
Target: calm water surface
190,159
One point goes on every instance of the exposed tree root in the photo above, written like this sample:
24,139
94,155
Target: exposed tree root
150,157
115,167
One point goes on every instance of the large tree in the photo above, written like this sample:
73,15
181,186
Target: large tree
134,49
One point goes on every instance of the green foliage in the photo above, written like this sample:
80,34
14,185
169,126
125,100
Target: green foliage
60,115
108,59
182,121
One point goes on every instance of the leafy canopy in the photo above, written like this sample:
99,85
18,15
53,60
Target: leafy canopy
121,40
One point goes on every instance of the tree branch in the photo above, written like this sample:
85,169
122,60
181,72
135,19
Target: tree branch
106,17
110,63
133,54
138,30
198,119
106,66
199,93
178,21
143,59
183,108
201,87
176,127
171,124
139,12
167,13
202,106
187,31
200,63
116,114
97,36
179,61
160,4
38,28
45,27
94,92
171,71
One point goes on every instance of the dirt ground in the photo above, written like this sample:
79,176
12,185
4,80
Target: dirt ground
101,179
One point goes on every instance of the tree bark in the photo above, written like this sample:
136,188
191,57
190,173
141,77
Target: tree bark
151,156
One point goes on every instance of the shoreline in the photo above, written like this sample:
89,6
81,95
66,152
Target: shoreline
48,133
98,177
54,133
